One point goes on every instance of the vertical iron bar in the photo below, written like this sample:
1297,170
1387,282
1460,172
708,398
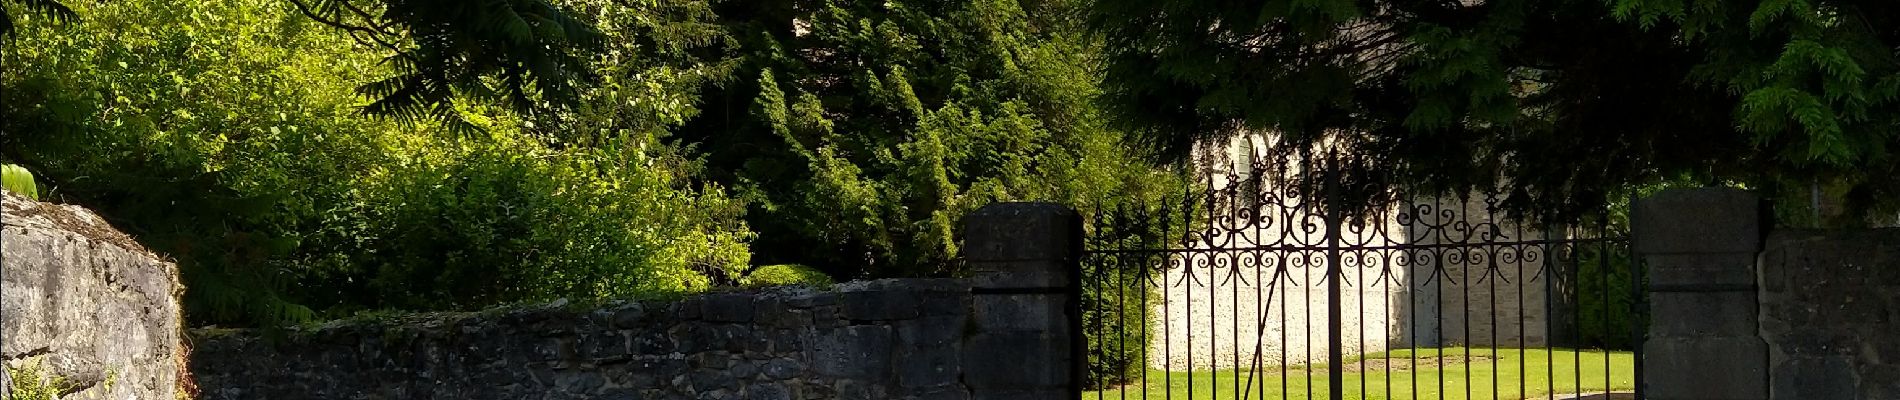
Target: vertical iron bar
1576,305
1603,268
1167,314
1310,203
1121,304
1639,310
1234,277
1552,261
1104,236
1523,332
1438,301
1359,294
1284,389
1391,281
1240,193
1491,265
1411,300
1073,307
1213,295
1464,272
1335,363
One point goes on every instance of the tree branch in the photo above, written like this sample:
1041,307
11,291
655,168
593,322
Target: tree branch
373,34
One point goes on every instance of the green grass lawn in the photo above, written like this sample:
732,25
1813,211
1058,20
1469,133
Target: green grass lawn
1499,378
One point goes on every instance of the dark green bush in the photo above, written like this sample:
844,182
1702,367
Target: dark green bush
1605,297
1113,320
1119,296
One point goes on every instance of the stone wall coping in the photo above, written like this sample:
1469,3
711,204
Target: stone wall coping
563,307
908,284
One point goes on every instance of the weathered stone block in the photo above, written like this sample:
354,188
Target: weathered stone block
811,299
688,309
1024,312
1703,220
767,391
932,366
1021,231
1022,394
573,382
1021,273
744,369
948,392
1701,272
731,307
620,394
783,368
1706,368
1827,378
653,343
1814,341
1880,381
929,331
604,345
1692,314
734,338
859,352
72,286
772,312
710,360
826,316
787,340
882,305
704,381
942,304
1014,360
862,390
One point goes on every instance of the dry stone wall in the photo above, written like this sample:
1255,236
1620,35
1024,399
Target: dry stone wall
890,339
82,303
1830,307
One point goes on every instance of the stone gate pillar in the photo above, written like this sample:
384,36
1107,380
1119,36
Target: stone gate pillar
1025,338
1703,339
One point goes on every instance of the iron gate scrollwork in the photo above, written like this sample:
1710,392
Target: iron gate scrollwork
1257,282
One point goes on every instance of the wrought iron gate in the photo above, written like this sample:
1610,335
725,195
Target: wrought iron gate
1258,281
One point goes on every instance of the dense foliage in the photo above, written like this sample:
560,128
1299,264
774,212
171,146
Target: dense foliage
226,134
1455,94
527,54
861,132
230,135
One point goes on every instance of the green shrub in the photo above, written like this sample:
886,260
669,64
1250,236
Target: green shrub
1113,320
228,136
489,226
1605,297
19,181
1119,296
787,274
28,384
